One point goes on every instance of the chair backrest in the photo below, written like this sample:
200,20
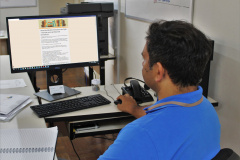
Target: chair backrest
226,154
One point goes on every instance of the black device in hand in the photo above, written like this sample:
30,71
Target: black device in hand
135,90
119,101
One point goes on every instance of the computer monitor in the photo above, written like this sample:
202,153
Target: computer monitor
52,43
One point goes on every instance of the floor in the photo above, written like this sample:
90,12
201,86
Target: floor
87,148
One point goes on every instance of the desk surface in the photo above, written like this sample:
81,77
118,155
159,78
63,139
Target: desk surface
26,118
105,111
92,113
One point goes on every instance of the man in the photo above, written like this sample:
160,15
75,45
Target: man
182,124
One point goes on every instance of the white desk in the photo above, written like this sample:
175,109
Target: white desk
101,110
96,111
108,117
26,118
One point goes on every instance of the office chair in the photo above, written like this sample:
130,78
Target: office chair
226,154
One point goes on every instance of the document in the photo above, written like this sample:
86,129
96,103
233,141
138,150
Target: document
14,83
28,144
8,102
54,38
14,112
11,104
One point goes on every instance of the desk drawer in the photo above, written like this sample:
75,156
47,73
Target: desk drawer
98,126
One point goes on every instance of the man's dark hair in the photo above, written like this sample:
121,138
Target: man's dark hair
182,50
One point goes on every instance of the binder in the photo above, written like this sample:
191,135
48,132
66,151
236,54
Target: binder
28,144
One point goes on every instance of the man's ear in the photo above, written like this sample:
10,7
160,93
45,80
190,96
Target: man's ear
160,72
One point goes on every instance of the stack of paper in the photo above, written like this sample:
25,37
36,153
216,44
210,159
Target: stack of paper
12,83
11,104
28,144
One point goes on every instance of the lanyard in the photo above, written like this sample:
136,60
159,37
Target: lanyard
177,103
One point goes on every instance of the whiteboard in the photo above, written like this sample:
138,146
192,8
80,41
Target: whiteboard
151,10
17,3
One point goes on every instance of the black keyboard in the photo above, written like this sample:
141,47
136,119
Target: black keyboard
55,108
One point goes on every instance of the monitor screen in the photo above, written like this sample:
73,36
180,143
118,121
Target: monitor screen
52,42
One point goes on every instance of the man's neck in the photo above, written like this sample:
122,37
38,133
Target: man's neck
171,90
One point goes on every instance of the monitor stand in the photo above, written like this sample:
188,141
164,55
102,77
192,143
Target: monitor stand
54,77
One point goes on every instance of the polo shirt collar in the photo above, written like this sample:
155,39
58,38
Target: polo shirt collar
190,97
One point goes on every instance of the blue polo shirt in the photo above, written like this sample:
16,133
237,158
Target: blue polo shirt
170,132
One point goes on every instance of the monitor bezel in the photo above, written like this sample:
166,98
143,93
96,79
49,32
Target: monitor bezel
59,66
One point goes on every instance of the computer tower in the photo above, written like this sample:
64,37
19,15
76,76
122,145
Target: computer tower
205,79
103,12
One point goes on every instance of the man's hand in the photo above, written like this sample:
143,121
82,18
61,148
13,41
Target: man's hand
130,106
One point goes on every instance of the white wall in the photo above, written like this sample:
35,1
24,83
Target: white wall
21,11
51,7
43,7
220,20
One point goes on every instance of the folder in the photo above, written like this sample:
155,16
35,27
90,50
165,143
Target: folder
28,144
11,104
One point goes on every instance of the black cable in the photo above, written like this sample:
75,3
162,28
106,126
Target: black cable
145,85
132,78
73,145
105,137
116,89
108,94
74,149
64,70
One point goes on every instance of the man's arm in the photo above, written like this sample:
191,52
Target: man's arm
130,106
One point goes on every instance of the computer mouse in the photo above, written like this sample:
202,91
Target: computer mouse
119,101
